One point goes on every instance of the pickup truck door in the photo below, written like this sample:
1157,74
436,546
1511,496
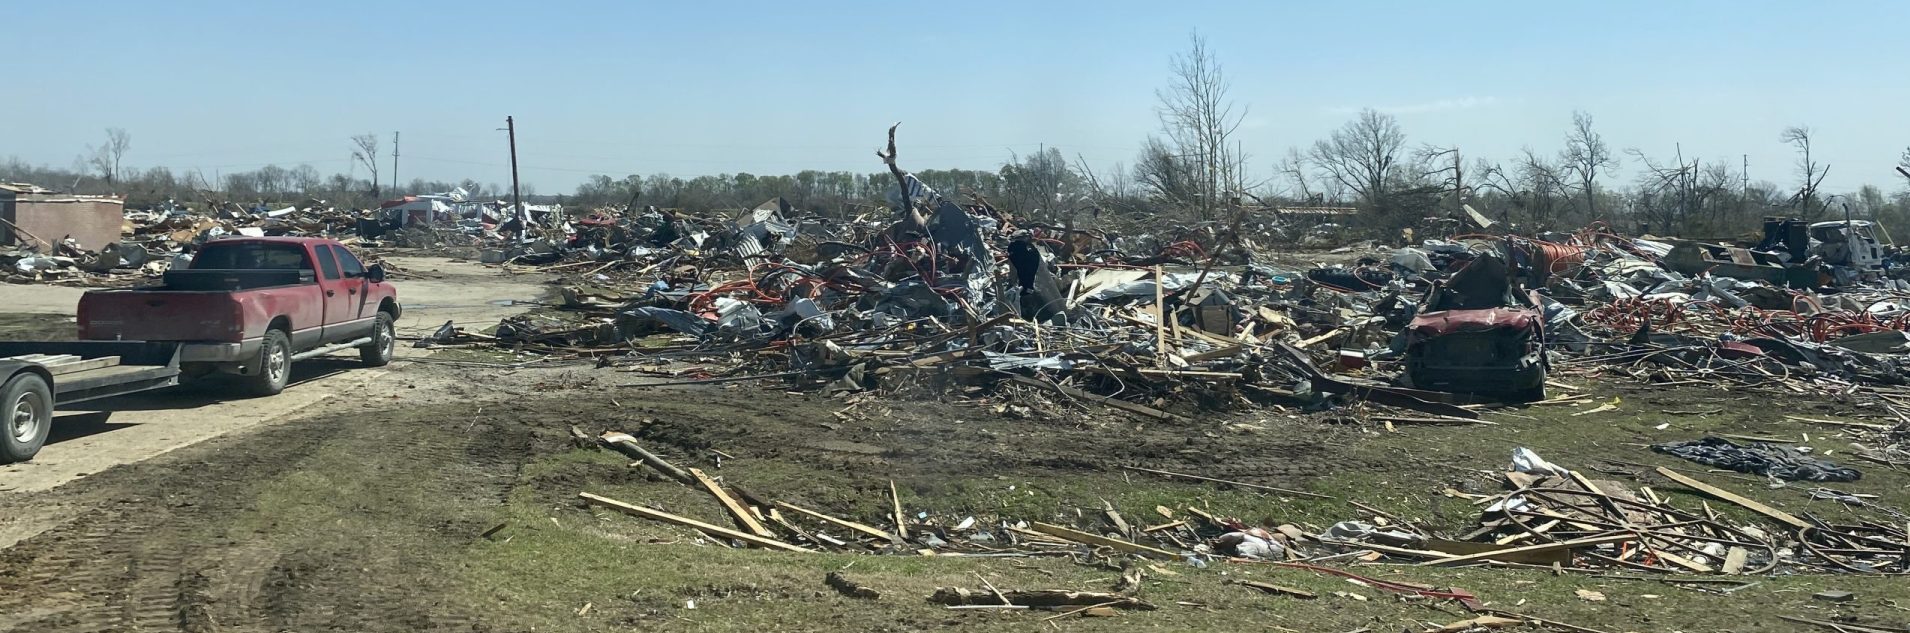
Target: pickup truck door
336,292
347,315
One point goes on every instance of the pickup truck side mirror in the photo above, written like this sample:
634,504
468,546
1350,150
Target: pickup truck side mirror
375,274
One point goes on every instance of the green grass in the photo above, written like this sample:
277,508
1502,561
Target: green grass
555,555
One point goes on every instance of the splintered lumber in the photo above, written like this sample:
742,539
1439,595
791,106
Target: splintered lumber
666,517
1278,590
895,501
624,443
1094,539
1160,318
1775,514
847,525
1529,549
1083,395
1734,560
1296,493
1120,524
735,509
964,597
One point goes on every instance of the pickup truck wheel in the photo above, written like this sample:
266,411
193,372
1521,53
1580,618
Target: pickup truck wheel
383,343
26,417
275,364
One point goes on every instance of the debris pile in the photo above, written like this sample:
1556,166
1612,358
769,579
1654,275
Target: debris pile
1555,517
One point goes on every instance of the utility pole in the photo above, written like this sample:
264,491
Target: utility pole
517,202
394,162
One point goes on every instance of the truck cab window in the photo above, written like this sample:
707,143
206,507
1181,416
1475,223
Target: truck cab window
348,262
251,256
326,263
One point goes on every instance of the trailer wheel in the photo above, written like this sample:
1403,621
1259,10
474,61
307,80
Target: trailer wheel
26,414
383,343
275,364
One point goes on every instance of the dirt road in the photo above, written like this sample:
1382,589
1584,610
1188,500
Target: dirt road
135,428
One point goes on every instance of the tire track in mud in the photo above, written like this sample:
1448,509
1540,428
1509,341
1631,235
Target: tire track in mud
159,547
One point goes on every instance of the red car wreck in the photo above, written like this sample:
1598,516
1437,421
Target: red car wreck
1478,332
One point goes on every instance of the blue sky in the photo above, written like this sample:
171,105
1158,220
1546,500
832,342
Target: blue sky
773,87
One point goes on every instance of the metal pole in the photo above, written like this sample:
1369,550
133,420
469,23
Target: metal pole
394,162
517,202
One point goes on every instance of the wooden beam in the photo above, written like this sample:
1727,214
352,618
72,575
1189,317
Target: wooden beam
64,367
736,509
666,517
1223,352
1778,515
848,525
895,501
1160,318
1527,549
1093,539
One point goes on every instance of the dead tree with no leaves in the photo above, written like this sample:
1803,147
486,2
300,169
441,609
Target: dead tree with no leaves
365,150
1585,155
1363,155
1812,173
106,158
1199,121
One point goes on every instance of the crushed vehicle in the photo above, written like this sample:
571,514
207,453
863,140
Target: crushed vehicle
1478,332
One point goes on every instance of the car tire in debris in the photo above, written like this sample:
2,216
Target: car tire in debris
378,352
26,417
275,364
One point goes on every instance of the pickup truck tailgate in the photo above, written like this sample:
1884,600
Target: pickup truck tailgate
149,315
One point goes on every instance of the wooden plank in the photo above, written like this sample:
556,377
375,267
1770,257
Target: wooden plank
848,525
1223,352
1330,334
666,517
895,502
1278,590
1163,526
735,509
1114,516
1775,514
1093,539
1735,559
1160,318
68,367
1462,548
1860,425
1530,549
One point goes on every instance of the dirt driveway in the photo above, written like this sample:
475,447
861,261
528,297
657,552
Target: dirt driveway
134,428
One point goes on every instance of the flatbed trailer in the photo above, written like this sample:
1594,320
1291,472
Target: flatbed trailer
41,376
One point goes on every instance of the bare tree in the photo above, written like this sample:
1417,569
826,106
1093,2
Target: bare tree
1807,168
1363,156
1199,121
365,151
105,159
1585,156
306,179
1672,196
1294,167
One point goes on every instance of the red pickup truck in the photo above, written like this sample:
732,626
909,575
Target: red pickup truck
252,306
